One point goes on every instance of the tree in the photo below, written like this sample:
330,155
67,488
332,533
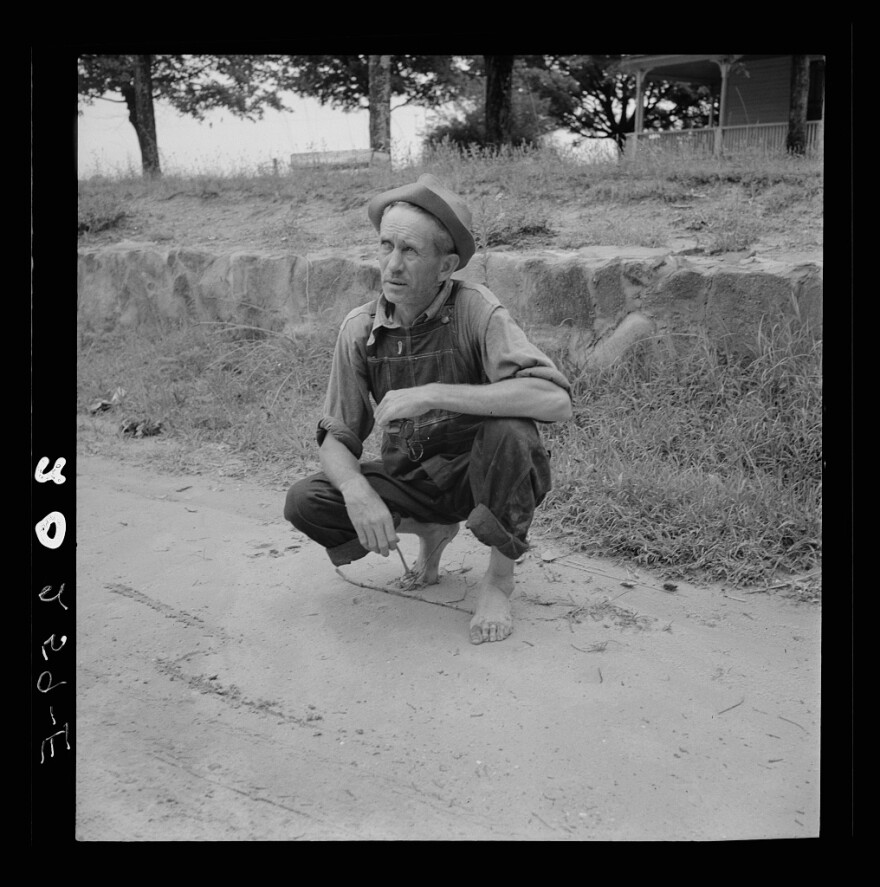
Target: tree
353,82
796,140
192,84
499,82
590,96
518,112
380,103
141,114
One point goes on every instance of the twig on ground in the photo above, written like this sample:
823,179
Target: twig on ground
783,584
411,597
787,721
596,648
566,561
730,707
542,821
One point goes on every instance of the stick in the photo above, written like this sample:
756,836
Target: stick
783,584
787,721
566,561
542,821
411,597
735,705
405,567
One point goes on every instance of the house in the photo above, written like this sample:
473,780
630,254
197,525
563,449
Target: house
752,95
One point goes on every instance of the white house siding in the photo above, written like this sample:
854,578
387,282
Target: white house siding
763,95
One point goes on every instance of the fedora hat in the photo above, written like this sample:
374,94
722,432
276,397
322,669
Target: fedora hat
447,207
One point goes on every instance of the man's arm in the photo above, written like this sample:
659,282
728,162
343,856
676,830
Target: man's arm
368,513
521,397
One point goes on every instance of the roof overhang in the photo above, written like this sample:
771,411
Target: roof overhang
686,68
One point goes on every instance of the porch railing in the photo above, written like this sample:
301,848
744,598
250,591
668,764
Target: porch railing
763,138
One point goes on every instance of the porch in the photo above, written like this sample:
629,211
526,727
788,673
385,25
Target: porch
762,139
743,89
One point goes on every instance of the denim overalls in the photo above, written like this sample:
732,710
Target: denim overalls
405,358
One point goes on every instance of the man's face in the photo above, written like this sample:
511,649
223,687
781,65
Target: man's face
412,268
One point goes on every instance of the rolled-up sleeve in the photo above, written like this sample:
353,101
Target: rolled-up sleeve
348,411
508,353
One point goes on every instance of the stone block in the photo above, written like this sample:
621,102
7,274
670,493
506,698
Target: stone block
503,274
609,295
329,286
476,270
556,291
677,299
739,301
126,284
809,294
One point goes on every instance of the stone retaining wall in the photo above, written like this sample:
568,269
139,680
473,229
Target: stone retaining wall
597,299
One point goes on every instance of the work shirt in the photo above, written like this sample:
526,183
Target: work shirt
465,336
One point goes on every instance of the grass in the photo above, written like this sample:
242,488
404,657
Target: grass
692,460
258,395
687,457
519,197
696,460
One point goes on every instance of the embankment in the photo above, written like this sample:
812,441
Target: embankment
596,301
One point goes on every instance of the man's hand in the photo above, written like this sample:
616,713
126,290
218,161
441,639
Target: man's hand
369,515
402,403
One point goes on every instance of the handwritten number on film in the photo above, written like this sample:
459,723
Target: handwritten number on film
50,532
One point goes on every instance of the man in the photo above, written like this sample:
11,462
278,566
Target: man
457,390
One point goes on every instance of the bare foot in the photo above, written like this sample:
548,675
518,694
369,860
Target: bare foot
492,619
433,539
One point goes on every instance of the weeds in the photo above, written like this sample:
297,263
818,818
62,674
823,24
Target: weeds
697,460
516,194
98,211
258,393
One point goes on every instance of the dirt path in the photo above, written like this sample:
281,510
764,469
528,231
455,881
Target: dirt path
232,687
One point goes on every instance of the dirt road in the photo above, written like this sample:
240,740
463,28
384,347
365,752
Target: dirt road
231,686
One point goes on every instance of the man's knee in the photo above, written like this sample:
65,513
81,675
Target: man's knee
509,453
512,435
301,505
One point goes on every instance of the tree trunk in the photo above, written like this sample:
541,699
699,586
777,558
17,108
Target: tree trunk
140,113
796,142
499,85
380,103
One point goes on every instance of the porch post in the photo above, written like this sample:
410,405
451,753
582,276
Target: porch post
640,114
722,108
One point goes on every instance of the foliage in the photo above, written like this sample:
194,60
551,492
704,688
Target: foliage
589,95
192,84
464,123
99,210
342,81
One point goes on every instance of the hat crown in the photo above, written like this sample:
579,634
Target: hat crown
442,203
458,206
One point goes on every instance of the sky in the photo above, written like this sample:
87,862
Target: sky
223,143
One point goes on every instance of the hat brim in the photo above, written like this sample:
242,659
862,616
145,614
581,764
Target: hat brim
432,202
